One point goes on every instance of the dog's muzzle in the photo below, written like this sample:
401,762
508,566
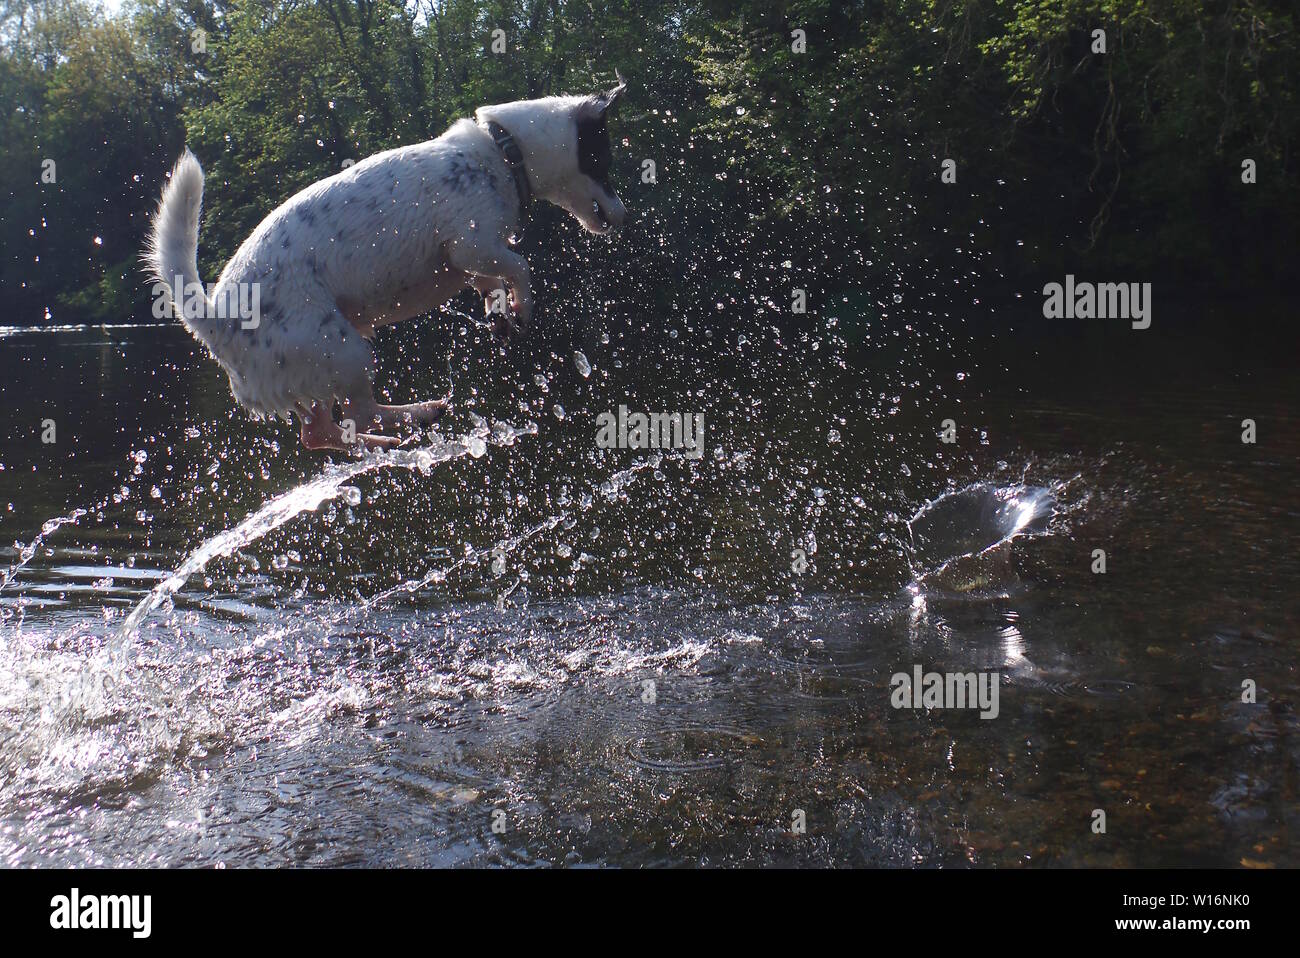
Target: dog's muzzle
610,213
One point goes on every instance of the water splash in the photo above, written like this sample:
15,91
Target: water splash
87,716
332,484
975,520
610,488
26,552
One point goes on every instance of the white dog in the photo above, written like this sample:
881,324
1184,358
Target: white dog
389,238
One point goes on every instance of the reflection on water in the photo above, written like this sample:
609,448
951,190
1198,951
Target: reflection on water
508,646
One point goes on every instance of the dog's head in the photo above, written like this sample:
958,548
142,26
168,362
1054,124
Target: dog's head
565,145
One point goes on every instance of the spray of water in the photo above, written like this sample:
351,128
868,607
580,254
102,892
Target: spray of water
975,520
331,484
26,552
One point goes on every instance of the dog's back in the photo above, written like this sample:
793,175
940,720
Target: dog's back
385,239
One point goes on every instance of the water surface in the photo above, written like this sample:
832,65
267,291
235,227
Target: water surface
506,646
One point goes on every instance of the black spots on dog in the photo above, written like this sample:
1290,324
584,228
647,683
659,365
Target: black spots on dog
332,326
461,175
306,215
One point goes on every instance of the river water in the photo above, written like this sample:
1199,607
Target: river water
505,645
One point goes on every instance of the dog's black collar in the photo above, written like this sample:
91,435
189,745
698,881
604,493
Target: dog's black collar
514,158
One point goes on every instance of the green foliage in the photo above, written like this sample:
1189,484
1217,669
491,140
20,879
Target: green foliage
1128,160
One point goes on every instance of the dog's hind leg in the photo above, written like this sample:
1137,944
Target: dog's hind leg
362,408
366,412
320,431
422,412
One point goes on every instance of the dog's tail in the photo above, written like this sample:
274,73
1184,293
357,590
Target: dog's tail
172,248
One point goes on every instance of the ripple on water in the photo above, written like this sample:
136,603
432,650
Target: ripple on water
691,748
1099,687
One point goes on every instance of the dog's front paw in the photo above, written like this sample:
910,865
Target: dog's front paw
500,313
510,324
496,301
506,330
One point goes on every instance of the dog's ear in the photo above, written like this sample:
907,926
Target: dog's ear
610,97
